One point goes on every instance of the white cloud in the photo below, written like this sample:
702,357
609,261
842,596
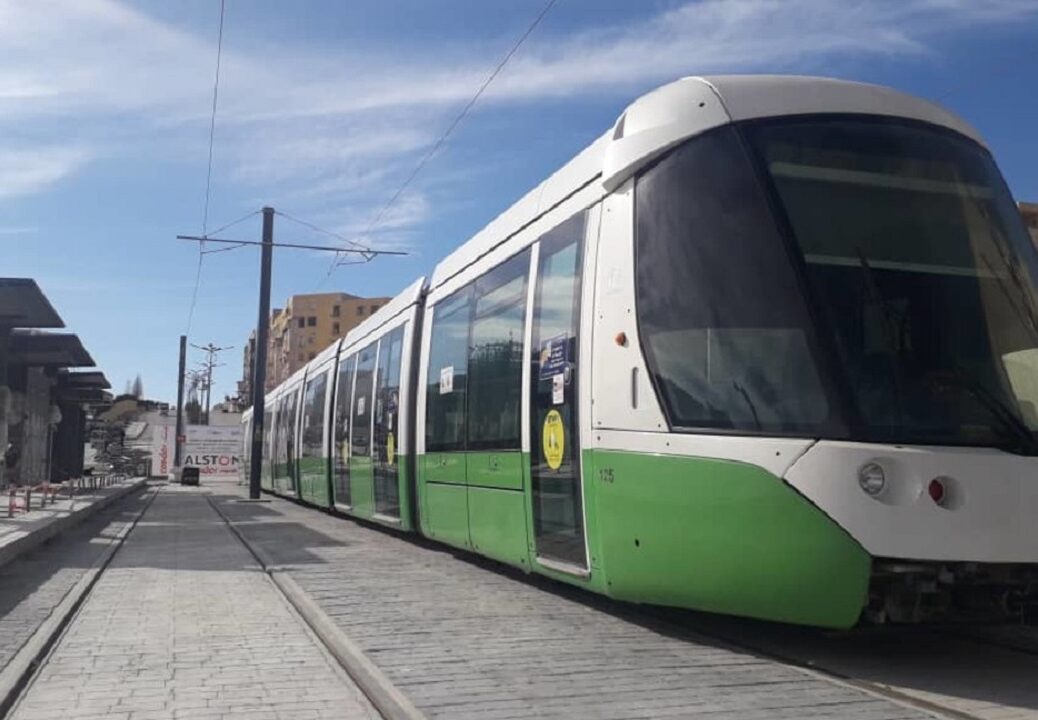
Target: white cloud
303,123
23,171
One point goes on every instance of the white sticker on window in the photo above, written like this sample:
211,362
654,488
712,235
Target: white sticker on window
447,380
558,389
361,402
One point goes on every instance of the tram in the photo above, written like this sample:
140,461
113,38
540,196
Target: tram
768,347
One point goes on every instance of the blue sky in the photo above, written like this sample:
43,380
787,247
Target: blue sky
326,106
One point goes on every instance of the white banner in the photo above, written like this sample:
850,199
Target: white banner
214,449
162,449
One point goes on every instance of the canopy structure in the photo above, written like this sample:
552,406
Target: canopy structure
83,387
45,349
23,304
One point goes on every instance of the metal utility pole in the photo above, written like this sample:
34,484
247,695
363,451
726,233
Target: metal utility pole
178,447
259,368
210,362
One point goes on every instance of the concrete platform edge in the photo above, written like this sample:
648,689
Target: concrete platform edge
18,673
14,550
391,703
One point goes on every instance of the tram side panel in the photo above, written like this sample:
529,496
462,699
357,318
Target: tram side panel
360,425
700,521
470,466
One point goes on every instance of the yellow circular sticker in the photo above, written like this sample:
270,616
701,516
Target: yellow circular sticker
554,439
390,449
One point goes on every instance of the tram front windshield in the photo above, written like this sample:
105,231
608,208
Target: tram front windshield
891,297
924,276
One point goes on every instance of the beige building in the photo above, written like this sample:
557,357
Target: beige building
304,327
1030,213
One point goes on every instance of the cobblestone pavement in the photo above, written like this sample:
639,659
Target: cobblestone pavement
184,624
465,642
33,585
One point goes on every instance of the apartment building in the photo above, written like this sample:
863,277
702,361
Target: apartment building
302,328
1030,213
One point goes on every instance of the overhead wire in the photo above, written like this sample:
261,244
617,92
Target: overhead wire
209,173
329,233
450,129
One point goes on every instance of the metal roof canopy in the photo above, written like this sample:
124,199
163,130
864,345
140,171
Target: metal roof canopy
43,349
86,380
23,304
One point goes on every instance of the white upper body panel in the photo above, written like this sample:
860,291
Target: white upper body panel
673,113
666,117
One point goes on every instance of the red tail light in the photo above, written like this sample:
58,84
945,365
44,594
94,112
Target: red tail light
936,490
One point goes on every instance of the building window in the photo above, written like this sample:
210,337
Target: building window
301,322
335,328
373,309
299,356
313,355
336,310
360,310
311,321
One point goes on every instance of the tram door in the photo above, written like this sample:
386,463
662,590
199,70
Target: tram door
558,516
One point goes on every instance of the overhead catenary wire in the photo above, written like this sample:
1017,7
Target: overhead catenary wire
209,172
377,220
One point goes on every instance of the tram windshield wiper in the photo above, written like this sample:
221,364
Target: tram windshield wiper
1013,428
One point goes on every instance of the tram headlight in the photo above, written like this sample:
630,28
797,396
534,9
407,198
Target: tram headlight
872,479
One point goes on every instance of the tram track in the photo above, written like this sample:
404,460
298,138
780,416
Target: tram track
922,668
834,656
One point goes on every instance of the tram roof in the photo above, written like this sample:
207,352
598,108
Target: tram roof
669,115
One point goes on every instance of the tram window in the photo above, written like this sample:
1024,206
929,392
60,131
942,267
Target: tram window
362,410
268,431
723,324
386,441
448,374
496,356
313,417
341,435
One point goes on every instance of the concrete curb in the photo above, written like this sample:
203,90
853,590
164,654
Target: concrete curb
15,549
18,673
389,700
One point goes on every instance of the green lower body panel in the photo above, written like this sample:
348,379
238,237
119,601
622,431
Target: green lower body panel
721,536
497,524
313,481
362,487
447,513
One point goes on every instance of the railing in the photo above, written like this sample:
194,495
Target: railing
20,499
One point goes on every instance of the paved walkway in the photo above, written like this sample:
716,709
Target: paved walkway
40,523
465,642
184,624
32,586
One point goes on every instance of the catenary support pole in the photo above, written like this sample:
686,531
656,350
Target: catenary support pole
178,445
259,368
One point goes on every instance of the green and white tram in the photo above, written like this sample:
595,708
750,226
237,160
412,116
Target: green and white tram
768,347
